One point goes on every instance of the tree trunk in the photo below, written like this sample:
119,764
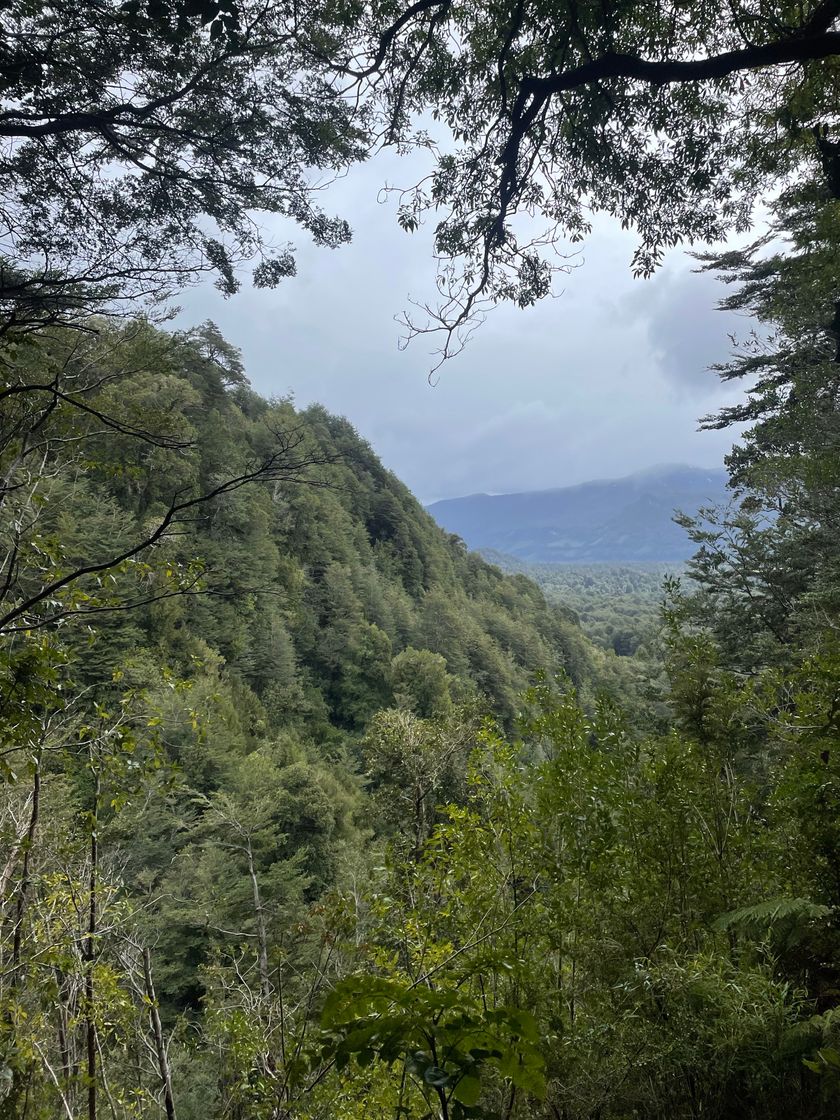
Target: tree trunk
23,889
15,1104
262,935
90,953
157,1031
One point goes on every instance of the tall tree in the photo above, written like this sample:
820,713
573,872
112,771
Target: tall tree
768,566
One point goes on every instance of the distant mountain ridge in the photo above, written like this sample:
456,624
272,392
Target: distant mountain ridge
621,520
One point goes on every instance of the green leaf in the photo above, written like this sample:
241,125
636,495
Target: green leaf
468,1090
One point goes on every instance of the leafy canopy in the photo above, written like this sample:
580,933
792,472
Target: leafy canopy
671,117
147,140
141,147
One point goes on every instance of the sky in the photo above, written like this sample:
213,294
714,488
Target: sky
608,377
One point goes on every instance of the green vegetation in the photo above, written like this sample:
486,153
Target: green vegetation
619,606
288,834
308,813
198,690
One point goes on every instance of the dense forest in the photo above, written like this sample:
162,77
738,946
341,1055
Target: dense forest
618,606
308,813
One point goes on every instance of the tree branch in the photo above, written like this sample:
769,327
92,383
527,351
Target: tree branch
797,48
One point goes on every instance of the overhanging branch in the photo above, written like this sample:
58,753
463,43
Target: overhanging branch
797,48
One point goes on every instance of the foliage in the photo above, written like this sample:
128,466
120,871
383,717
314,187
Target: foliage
767,567
444,1041
284,832
609,888
618,605
186,132
194,674
195,116
672,118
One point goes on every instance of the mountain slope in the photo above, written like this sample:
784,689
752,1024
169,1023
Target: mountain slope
617,520
315,586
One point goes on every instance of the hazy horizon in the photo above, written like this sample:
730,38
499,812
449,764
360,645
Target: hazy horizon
654,468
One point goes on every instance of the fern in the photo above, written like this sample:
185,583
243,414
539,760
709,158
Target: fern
785,921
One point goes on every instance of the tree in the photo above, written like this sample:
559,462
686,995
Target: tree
415,765
670,117
767,567
421,683
141,139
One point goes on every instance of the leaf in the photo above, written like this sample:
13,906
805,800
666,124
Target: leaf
830,1056
786,919
468,1090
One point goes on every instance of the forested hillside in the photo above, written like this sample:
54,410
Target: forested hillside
307,812
237,651
288,833
316,587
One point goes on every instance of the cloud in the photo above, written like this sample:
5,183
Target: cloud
686,333
602,381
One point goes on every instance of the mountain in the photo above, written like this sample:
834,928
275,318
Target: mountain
606,521
321,591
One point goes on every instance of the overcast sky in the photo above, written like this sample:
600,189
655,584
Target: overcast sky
607,378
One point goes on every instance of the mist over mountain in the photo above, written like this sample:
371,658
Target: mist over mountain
605,521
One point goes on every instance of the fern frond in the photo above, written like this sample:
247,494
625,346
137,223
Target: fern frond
785,918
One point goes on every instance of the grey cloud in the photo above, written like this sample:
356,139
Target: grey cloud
686,333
